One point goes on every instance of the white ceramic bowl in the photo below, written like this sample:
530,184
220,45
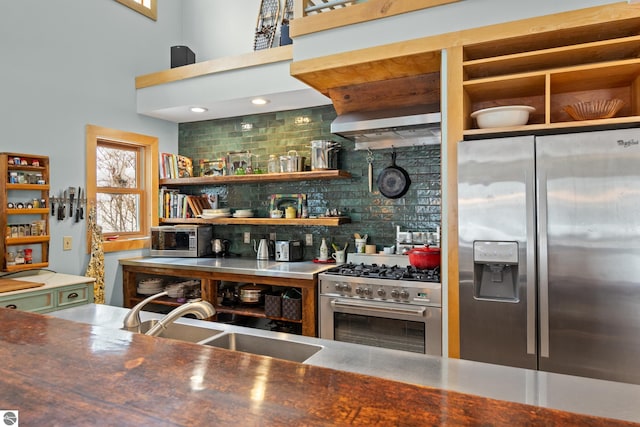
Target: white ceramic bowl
507,116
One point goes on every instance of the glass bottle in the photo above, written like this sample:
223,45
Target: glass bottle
324,250
11,259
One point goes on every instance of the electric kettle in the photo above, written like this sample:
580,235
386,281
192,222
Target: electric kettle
262,249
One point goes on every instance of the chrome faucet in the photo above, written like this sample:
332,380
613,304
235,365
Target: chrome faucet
201,309
132,319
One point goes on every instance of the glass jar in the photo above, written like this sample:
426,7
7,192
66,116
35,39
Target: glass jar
20,257
11,259
273,166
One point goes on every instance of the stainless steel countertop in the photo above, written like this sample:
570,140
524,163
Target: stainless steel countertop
305,270
563,392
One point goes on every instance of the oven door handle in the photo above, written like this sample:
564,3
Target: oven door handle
418,311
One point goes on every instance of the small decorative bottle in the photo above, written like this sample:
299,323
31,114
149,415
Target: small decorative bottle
324,250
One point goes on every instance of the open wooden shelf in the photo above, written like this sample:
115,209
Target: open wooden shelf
249,311
27,211
32,266
28,187
252,178
322,221
564,56
27,240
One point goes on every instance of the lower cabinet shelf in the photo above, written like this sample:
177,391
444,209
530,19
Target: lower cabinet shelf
253,312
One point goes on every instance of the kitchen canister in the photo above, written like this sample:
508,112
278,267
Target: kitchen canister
324,154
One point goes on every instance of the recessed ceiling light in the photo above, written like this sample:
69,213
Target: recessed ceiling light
259,101
198,109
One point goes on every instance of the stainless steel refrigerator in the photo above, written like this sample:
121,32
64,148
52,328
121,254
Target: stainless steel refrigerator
549,252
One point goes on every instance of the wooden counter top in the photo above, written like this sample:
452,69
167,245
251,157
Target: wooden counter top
57,372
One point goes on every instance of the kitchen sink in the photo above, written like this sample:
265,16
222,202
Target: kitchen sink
181,332
272,347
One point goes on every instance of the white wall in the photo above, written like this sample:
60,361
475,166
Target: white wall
215,29
427,22
68,63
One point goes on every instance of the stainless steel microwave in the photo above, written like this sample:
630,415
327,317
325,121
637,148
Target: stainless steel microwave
183,240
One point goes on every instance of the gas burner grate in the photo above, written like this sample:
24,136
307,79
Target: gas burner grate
386,272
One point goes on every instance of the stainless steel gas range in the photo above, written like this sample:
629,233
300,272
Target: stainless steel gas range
383,302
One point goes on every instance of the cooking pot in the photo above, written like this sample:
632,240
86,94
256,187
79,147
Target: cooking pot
324,154
252,293
424,257
292,162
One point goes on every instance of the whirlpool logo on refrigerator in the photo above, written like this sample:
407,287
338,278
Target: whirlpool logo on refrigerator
627,143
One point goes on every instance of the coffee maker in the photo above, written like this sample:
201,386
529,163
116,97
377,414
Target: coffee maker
220,247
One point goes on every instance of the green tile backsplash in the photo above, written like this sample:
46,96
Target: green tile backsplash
279,132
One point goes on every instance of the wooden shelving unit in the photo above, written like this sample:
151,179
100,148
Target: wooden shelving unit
257,178
211,281
550,78
14,193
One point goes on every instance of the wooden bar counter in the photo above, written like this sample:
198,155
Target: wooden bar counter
59,372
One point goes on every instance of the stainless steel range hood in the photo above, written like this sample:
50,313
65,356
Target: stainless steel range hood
400,127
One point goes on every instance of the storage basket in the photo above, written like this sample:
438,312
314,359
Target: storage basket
273,305
292,305
292,308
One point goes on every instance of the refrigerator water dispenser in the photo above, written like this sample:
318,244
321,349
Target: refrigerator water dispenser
495,275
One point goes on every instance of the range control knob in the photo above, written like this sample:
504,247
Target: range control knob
359,290
395,294
367,291
382,292
404,294
342,287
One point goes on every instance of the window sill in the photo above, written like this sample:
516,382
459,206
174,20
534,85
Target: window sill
126,244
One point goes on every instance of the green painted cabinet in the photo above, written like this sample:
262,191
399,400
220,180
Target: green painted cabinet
44,300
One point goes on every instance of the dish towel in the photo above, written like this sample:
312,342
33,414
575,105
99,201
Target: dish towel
96,262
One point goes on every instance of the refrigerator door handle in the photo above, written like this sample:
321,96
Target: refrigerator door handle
531,260
543,265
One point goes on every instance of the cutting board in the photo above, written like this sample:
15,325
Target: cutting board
8,285
198,203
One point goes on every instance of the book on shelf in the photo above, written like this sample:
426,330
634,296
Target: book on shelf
175,166
173,204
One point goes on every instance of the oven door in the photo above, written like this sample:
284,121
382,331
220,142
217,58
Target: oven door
404,327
